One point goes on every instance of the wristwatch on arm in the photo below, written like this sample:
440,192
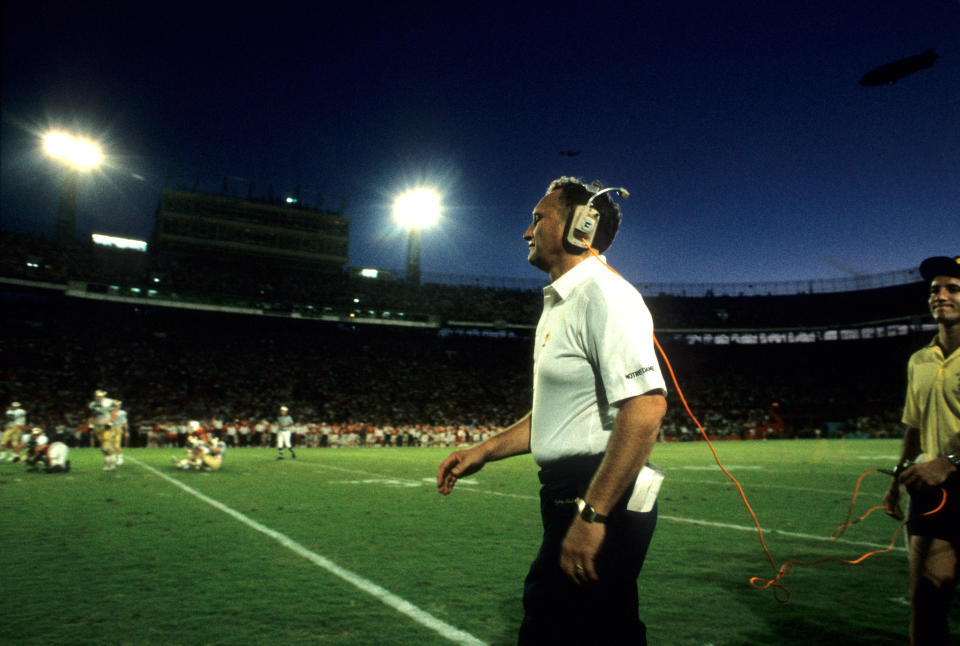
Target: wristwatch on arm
588,513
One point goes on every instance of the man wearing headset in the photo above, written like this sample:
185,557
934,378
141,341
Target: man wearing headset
598,400
932,417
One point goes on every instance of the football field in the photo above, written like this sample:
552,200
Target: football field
355,547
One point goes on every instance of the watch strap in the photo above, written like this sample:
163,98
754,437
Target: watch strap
588,513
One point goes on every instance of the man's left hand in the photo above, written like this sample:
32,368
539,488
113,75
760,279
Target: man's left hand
579,550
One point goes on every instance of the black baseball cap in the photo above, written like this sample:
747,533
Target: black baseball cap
940,266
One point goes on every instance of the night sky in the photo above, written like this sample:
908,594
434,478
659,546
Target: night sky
750,149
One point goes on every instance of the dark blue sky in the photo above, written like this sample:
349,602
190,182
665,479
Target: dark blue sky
750,150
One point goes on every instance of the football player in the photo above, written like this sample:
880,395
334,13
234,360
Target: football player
205,452
16,422
212,457
119,430
46,456
194,448
102,411
284,432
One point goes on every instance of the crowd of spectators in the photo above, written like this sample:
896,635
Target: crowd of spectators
169,365
388,385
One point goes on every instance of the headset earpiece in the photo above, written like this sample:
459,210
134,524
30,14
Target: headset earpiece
582,225
580,229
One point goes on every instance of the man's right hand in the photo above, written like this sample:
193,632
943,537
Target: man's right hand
891,501
458,464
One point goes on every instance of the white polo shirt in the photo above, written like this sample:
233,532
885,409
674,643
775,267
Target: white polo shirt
594,348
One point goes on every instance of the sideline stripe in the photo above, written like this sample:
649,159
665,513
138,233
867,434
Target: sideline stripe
383,595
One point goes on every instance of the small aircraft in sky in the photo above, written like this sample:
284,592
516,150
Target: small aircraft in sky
894,71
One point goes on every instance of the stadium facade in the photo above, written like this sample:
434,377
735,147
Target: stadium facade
242,274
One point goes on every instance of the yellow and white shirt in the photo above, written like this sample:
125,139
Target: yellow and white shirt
933,400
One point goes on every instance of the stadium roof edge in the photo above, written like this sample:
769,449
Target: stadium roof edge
698,290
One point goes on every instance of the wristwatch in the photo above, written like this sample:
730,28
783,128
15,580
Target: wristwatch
954,460
588,513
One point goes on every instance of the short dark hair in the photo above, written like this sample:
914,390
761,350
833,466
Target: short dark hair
574,192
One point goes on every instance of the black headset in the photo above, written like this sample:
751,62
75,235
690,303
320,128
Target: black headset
582,226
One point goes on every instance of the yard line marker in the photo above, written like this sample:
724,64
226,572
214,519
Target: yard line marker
461,481
744,528
383,595
680,519
708,523
767,486
345,470
713,467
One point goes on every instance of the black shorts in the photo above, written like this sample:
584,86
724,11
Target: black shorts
944,523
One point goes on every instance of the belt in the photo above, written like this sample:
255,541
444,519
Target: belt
573,468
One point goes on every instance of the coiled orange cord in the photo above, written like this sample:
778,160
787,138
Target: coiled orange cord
780,592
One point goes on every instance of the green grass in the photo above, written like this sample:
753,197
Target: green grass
127,557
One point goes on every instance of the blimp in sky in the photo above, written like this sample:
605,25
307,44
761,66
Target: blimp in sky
894,71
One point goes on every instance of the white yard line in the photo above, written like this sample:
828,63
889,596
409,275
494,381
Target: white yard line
676,519
716,525
727,481
780,532
383,595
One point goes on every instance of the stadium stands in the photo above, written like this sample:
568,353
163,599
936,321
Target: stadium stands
84,318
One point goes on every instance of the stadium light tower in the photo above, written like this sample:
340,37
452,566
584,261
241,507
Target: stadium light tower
77,155
416,210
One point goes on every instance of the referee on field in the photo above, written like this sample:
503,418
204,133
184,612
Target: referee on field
598,400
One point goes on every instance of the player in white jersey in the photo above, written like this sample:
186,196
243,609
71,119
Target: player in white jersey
119,430
46,456
284,433
16,423
212,458
102,411
205,453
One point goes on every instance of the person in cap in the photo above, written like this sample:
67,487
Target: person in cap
598,401
932,417
284,433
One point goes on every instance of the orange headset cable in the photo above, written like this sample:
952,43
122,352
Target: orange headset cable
703,433
780,592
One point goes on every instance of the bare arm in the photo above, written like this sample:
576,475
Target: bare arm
931,473
631,442
514,440
634,435
909,450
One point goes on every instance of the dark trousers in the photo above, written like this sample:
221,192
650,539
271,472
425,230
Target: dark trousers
557,610
943,524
